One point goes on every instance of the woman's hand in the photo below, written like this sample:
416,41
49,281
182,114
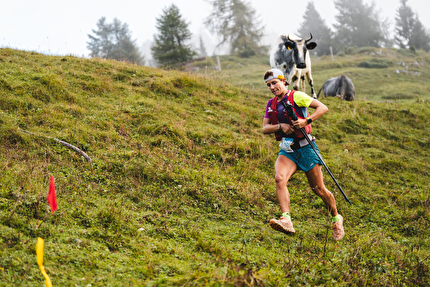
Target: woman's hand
287,128
300,123
320,109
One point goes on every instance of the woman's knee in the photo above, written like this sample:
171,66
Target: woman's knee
280,178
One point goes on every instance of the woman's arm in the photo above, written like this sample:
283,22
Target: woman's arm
320,109
268,128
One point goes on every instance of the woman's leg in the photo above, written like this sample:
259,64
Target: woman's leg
315,179
284,169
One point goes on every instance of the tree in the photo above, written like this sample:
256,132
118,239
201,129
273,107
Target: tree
409,29
405,19
202,48
113,41
357,24
313,23
170,45
420,39
237,24
388,41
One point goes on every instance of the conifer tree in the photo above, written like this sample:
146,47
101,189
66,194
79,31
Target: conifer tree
405,21
202,48
313,23
357,24
420,39
170,45
237,24
113,41
410,32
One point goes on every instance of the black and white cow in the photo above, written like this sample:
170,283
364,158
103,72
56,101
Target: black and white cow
341,87
290,55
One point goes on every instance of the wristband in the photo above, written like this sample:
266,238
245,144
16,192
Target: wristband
279,126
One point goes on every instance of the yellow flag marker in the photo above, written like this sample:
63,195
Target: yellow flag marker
39,252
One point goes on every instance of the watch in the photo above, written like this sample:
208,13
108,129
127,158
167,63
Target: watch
308,120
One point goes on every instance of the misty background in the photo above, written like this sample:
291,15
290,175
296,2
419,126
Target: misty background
62,27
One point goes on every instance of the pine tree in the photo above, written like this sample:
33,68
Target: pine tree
420,39
405,21
357,24
237,24
410,33
202,48
113,41
313,23
170,44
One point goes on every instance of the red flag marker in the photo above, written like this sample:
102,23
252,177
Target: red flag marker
52,198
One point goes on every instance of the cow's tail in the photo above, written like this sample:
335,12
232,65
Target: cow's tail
318,95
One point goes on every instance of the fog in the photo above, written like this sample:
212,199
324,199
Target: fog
62,27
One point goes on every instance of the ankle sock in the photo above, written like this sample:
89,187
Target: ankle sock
335,218
286,215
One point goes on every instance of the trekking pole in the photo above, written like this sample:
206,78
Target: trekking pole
289,108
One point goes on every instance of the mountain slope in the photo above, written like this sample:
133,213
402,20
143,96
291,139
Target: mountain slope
180,188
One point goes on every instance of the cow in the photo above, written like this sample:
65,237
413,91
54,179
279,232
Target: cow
290,55
341,87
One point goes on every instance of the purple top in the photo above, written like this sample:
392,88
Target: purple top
280,109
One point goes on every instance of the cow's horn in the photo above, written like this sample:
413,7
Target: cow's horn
309,38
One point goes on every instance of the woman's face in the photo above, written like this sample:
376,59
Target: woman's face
277,87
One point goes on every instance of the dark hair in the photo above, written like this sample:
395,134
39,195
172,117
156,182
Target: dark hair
268,74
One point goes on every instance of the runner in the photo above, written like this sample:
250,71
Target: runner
295,153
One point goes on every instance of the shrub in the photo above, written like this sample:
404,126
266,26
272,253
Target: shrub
375,63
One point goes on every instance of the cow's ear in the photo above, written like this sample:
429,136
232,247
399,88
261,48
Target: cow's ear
289,45
311,45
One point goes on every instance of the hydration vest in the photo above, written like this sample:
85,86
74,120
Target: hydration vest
273,116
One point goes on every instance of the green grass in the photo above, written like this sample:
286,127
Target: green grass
400,77
181,188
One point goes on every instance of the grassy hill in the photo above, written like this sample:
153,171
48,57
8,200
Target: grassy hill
378,75
180,188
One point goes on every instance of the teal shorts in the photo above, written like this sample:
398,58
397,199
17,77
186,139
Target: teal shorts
305,157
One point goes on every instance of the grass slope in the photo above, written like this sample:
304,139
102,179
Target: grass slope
180,189
398,76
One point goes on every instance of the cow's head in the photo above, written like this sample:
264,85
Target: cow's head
299,48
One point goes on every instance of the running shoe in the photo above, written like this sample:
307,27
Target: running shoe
283,225
338,231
